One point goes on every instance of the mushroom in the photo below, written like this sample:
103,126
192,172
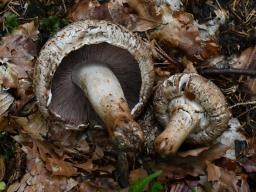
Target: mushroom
95,70
190,108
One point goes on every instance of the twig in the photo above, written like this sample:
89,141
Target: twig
245,112
165,55
210,71
243,103
64,6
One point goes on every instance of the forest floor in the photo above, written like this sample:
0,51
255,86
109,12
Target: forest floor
216,38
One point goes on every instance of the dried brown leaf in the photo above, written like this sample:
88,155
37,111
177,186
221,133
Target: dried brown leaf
98,153
38,178
115,11
28,30
103,184
213,172
247,60
33,125
18,53
2,168
60,167
179,167
87,9
179,31
137,174
224,180
89,166
147,14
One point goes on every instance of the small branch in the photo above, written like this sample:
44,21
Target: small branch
210,71
244,103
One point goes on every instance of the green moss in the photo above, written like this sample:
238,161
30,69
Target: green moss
53,24
11,22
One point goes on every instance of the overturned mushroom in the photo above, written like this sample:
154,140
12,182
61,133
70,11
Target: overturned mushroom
190,108
95,66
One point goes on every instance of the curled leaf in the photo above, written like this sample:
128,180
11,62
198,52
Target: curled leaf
6,100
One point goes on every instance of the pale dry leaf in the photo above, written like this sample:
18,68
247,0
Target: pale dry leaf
209,29
28,30
192,152
229,137
213,172
175,5
6,100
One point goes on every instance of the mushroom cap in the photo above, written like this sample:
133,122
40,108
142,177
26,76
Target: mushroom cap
76,41
201,91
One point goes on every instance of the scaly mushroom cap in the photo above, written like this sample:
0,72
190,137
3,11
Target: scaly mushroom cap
81,40
201,105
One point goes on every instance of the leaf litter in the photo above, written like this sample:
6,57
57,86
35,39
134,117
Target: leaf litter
181,32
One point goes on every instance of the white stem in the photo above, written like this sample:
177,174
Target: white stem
105,93
185,115
179,127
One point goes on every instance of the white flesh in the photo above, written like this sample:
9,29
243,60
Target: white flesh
106,96
186,115
102,88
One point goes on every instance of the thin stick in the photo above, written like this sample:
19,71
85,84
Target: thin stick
210,71
64,6
243,103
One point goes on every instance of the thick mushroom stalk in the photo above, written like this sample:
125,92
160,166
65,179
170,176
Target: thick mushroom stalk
106,96
190,108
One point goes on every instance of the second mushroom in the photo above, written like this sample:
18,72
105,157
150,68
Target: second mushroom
95,70
190,108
